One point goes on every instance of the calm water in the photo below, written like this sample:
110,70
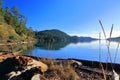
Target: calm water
85,51
81,50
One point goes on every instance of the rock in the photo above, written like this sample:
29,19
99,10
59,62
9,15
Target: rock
13,73
115,75
76,63
24,74
36,77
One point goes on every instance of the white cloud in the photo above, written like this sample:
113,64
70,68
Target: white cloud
95,34
86,35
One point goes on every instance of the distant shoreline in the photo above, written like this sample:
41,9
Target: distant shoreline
14,43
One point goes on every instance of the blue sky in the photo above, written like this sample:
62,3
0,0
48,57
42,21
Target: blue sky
75,17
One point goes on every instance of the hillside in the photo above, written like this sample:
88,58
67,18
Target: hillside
53,35
13,25
7,32
87,39
114,39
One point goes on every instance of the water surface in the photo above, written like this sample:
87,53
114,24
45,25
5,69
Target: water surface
82,50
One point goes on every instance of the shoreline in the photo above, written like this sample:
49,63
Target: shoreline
79,69
15,43
90,69
89,63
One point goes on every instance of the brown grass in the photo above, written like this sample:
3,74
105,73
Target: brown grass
108,47
60,70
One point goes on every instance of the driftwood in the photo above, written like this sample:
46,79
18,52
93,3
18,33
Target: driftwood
19,67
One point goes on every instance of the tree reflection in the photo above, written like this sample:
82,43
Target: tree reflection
52,45
25,48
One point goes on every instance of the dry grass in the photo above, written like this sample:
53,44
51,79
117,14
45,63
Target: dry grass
108,47
60,70
6,31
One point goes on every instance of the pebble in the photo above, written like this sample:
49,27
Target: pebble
36,77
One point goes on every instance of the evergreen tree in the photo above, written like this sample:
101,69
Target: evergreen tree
12,17
15,11
1,3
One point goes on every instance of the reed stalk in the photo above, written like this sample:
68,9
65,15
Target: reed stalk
99,47
116,52
103,71
108,47
105,39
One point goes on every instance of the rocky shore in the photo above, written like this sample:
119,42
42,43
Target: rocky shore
21,67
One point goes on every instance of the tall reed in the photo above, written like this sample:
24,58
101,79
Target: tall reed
101,66
108,48
116,52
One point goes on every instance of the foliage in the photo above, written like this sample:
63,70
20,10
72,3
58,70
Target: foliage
52,36
1,3
6,31
87,39
14,18
75,39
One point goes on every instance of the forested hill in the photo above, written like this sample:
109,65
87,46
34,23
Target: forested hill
53,35
13,28
116,39
13,24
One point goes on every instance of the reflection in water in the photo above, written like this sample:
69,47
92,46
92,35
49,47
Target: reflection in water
85,51
58,45
28,48
25,48
52,45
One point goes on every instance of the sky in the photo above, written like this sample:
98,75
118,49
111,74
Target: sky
75,17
